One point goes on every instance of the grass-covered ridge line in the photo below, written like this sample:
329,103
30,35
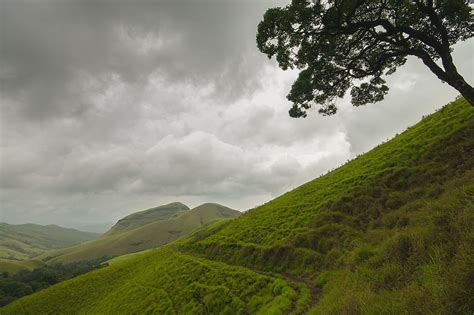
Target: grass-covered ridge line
25,241
388,222
390,232
282,217
167,224
141,218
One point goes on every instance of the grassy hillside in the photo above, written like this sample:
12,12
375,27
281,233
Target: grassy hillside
22,242
13,266
390,232
135,287
160,232
141,218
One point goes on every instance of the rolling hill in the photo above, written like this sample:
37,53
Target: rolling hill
167,223
13,266
25,241
390,232
141,218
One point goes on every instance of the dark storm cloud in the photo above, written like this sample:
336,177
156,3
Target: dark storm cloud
46,44
113,106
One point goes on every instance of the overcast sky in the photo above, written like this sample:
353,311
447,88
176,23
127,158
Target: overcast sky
109,107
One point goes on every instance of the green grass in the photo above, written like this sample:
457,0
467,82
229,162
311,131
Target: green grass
141,218
13,266
25,241
390,232
190,285
154,234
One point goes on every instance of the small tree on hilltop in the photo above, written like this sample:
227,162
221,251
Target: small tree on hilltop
351,44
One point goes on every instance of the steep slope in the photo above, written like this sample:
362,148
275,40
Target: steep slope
390,232
143,237
135,287
22,242
141,218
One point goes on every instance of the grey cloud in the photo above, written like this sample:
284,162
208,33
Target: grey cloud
109,107
45,44
414,93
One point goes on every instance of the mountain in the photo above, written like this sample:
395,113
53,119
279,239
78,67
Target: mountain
390,232
168,223
24,241
141,218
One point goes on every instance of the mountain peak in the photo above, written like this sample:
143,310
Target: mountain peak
147,216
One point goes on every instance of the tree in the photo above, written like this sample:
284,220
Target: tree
353,44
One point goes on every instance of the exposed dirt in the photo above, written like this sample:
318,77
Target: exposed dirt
315,291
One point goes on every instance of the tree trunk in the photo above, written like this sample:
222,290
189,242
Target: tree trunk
455,79
465,89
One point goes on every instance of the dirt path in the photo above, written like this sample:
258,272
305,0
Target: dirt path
315,291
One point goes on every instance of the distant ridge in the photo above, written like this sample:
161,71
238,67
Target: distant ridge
24,241
165,224
144,217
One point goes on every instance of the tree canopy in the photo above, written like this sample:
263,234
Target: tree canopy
341,45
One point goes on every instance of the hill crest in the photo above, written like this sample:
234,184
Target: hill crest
153,234
141,218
